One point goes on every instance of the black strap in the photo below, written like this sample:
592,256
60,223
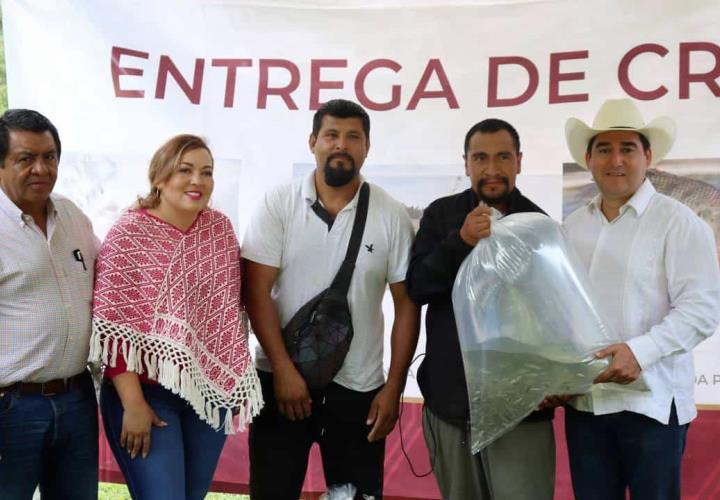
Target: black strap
323,214
344,274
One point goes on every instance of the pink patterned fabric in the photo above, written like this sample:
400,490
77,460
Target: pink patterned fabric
170,300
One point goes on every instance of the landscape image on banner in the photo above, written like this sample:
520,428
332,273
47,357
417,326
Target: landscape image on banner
694,182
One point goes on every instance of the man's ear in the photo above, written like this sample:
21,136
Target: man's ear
311,142
648,156
467,174
519,162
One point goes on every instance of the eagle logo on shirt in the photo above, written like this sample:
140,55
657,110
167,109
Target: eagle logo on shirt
370,248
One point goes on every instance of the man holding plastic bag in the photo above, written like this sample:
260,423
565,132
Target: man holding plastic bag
521,464
654,273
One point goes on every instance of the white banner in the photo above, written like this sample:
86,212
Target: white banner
120,77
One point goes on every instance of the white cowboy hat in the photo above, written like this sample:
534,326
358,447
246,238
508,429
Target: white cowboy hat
620,114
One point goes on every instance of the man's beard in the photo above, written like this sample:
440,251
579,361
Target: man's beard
495,198
340,175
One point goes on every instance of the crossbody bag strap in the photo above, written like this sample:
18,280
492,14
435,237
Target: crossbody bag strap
344,274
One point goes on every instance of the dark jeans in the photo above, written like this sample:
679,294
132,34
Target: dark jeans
51,441
279,447
609,453
183,455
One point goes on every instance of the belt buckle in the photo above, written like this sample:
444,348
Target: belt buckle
48,393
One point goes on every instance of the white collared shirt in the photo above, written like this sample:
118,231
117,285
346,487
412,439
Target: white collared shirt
654,271
286,233
45,292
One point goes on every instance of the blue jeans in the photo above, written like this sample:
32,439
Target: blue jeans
51,441
183,455
611,453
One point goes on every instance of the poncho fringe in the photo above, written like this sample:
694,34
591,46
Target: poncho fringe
164,363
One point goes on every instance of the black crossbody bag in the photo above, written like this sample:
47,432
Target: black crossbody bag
318,335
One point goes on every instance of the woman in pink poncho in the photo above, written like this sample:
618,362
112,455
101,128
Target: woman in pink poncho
169,326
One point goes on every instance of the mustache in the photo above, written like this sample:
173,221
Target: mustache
344,156
504,179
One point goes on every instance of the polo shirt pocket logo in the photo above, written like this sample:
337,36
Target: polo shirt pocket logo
370,248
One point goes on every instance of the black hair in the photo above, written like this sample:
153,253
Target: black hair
643,140
341,108
491,126
27,120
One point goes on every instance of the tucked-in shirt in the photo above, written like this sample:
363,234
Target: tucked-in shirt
45,292
286,233
654,273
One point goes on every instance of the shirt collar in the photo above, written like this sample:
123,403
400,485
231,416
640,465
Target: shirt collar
638,201
513,200
10,208
14,212
641,199
309,192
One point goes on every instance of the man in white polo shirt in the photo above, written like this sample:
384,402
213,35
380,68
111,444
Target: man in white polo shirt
654,270
48,413
293,248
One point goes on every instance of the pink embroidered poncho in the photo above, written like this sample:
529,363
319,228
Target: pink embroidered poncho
170,300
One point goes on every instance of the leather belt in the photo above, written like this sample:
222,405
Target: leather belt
49,388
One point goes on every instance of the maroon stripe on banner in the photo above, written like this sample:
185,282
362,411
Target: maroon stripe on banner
700,475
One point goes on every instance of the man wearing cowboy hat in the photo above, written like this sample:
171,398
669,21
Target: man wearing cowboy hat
653,266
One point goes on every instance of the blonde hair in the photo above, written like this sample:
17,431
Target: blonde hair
165,163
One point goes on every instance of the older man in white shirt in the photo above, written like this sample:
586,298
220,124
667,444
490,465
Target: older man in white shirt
654,270
48,413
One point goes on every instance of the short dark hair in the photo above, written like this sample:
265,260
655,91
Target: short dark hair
27,120
491,126
341,108
643,140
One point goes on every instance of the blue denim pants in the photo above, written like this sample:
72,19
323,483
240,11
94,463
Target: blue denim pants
610,454
50,441
183,455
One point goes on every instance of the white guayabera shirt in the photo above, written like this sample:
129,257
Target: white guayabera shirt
654,271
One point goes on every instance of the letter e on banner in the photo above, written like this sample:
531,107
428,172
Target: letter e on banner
556,77
117,71
316,84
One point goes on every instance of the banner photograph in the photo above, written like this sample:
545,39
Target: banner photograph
119,78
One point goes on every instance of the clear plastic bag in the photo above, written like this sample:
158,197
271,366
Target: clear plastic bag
527,324
339,492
